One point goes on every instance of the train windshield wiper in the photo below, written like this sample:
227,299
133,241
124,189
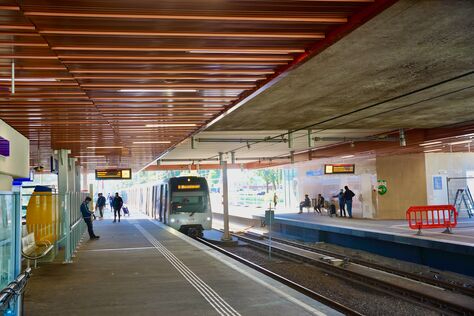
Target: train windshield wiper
191,214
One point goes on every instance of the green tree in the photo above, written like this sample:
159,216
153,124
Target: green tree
270,176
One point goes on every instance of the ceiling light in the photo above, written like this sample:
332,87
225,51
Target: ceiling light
106,147
154,142
348,156
29,79
157,90
466,135
432,150
431,143
170,125
461,142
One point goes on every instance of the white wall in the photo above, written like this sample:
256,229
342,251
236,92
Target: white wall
447,165
362,183
17,165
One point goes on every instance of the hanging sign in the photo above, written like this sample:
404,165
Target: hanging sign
113,174
339,168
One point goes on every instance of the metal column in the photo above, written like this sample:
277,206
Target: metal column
63,190
225,199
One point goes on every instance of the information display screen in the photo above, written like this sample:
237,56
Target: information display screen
113,174
339,168
188,186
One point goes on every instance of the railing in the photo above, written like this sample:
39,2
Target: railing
11,297
57,218
432,216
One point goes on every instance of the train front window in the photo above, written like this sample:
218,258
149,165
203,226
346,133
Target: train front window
189,202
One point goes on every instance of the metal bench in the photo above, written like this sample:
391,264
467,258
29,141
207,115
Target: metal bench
33,250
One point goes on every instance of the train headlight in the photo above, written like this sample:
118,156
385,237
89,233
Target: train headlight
208,219
172,220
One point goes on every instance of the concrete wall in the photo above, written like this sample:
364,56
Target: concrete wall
361,183
444,166
406,183
17,165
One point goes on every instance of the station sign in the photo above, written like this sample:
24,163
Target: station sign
4,147
339,168
113,174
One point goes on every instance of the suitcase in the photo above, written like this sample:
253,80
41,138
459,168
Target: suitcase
125,211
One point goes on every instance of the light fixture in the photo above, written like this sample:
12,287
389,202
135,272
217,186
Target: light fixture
157,90
245,51
29,79
431,143
465,135
105,147
348,156
461,142
153,142
432,150
170,125
92,156
75,141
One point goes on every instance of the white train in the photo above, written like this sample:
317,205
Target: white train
180,202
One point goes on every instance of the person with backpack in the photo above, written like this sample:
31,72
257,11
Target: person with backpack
86,215
348,195
117,205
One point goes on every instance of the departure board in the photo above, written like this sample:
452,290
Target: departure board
113,174
339,168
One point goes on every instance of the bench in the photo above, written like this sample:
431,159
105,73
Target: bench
33,250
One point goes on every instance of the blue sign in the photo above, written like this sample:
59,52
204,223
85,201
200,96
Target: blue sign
4,147
437,183
314,173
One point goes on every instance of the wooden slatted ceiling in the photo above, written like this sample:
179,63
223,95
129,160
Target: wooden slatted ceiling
96,73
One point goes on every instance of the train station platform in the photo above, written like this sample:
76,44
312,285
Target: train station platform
390,238
141,267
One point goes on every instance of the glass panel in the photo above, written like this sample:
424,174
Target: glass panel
190,202
7,255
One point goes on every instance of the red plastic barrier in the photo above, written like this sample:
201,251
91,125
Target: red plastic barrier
432,216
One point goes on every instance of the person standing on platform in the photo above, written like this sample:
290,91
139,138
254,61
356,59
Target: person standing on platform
305,203
342,203
275,200
111,202
348,195
100,204
117,205
87,216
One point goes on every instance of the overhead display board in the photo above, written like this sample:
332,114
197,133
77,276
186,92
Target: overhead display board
339,168
113,174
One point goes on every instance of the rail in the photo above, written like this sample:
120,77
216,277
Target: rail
11,295
316,296
432,216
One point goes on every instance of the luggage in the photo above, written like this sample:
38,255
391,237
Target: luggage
125,211
332,209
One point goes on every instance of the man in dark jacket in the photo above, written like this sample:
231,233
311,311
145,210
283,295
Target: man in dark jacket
101,204
342,203
305,203
348,195
117,205
87,215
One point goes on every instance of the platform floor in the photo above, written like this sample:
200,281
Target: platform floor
140,267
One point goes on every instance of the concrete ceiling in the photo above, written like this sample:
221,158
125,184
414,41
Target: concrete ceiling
410,67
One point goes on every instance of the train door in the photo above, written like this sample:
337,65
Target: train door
160,210
165,204
153,202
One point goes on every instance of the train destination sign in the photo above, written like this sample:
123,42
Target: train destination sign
339,168
113,174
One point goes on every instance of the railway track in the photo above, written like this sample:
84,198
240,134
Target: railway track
304,290
454,287
432,295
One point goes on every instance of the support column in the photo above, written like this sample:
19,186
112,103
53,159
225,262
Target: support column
77,179
225,198
63,171
72,175
63,189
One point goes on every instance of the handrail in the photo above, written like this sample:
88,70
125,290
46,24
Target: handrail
14,289
76,223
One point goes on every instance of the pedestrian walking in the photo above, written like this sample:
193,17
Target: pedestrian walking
117,205
100,204
348,195
319,204
87,216
275,200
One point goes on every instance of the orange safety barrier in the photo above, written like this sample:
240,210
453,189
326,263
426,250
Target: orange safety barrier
432,216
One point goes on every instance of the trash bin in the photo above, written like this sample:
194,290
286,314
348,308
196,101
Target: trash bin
269,215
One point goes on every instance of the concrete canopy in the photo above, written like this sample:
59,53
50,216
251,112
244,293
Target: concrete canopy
409,67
